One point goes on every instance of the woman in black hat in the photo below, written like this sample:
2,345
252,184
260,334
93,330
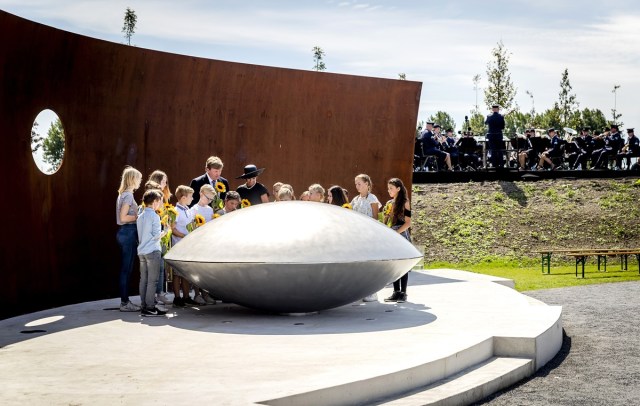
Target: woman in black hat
252,191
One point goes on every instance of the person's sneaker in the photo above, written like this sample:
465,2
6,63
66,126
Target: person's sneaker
371,298
199,300
162,298
153,312
178,302
394,297
189,302
161,307
207,298
129,307
402,298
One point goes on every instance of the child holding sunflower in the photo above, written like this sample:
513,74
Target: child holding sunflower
336,196
149,234
399,219
179,230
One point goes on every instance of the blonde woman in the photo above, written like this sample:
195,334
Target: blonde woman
127,236
316,193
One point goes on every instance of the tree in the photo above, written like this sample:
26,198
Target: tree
550,118
500,90
318,55
53,145
476,82
594,119
36,140
614,111
129,28
444,119
476,122
402,76
567,104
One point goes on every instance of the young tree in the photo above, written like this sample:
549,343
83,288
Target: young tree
476,122
594,119
53,145
36,140
444,119
614,111
500,89
129,28
567,103
476,82
318,55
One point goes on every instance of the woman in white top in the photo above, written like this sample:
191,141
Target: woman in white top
366,203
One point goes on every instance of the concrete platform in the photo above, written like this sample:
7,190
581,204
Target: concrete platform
459,338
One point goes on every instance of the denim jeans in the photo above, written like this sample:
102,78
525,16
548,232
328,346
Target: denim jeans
161,278
127,237
149,272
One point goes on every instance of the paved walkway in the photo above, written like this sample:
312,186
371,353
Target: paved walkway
599,363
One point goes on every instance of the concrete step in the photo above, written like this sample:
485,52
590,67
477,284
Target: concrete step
470,385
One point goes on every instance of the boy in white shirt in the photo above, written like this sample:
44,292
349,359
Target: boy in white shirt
184,194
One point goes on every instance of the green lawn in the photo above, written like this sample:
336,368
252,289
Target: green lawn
528,274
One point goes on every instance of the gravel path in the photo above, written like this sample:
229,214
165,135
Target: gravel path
599,362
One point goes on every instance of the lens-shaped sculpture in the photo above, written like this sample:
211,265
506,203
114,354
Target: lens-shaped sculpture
293,257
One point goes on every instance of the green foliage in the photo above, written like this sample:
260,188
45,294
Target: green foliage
567,104
402,76
500,89
53,145
593,119
318,56
36,140
444,119
129,27
476,122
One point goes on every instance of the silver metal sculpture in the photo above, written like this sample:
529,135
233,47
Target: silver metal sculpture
293,257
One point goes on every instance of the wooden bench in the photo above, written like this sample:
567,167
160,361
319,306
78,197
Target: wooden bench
580,255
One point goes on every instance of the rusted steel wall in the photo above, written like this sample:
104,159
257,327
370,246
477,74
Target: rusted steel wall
123,105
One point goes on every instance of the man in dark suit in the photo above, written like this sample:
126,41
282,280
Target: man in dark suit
213,170
495,121
632,149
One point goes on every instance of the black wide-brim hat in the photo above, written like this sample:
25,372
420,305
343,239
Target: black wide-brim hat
251,171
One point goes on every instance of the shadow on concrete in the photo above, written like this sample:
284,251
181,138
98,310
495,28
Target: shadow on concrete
419,278
223,318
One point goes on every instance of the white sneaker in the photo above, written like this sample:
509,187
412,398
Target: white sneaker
207,298
129,307
371,298
199,300
162,298
161,307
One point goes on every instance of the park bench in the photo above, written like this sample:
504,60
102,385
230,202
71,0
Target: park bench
581,254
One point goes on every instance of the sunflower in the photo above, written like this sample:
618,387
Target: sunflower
347,206
387,209
220,187
173,212
159,212
164,220
200,220
245,203
167,206
215,216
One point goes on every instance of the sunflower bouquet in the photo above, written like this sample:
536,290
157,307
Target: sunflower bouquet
198,221
168,214
385,215
245,203
347,206
217,203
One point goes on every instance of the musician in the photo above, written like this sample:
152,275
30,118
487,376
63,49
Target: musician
582,149
450,147
467,149
495,121
612,145
554,150
527,151
630,149
431,143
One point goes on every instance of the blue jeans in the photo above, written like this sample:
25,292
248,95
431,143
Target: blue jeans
149,272
161,278
127,237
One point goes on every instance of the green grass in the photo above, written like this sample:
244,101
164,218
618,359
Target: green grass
528,275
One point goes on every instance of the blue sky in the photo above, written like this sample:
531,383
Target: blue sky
440,43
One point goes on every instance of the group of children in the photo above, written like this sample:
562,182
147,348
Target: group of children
141,228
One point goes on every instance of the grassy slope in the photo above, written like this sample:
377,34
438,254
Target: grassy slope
495,227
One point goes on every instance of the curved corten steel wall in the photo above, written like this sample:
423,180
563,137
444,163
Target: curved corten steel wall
123,105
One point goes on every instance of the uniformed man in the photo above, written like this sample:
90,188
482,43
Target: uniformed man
631,149
495,121
579,157
432,147
467,147
553,151
612,146
525,153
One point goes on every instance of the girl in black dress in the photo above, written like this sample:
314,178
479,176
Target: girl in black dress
399,219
